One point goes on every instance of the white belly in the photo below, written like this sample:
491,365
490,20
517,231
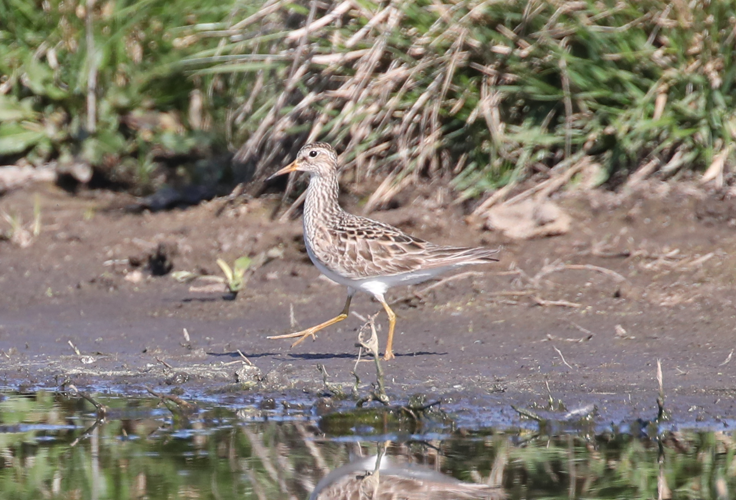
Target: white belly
379,285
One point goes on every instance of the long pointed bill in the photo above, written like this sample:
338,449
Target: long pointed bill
291,167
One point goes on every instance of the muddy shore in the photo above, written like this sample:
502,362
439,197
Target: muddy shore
583,316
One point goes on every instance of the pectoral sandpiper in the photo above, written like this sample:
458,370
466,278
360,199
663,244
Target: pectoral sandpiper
382,478
363,254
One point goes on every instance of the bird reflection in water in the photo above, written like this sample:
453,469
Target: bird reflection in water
381,477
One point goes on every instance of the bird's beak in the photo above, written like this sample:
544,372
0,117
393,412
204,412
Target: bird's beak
291,167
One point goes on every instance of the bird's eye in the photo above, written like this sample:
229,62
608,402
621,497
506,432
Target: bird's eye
313,153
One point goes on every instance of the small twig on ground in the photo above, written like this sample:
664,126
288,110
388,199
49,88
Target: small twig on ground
563,172
511,293
186,335
359,316
417,411
582,413
495,198
420,294
563,358
443,281
599,269
164,363
371,345
244,358
356,385
642,173
622,333
660,397
527,413
695,262
561,303
228,200
230,363
335,389
323,371
668,259
558,266
101,409
292,318
584,330
76,351
552,338
728,359
597,251
184,407
550,399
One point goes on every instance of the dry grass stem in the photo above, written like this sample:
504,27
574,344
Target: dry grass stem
562,358
622,333
728,359
338,11
527,413
74,348
244,358
558,266
553,338
717,167
642,173
584,330
371,345
561,303
660,397
168,366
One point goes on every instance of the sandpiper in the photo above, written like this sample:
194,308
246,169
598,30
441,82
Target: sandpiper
382,478
363,254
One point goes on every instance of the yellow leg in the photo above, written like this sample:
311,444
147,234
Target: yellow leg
309,332
391,325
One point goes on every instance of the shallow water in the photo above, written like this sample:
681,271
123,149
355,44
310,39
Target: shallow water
54,446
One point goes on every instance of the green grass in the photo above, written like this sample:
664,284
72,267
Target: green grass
142,93
487,91
484,93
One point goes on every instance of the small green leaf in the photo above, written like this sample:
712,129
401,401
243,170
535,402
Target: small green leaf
184,276
13,110
225,270
40,79
104,143
241,265
15,138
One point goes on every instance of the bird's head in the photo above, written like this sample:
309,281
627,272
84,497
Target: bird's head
317,158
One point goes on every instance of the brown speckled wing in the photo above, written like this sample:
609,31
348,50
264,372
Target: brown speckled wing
388,487
358,248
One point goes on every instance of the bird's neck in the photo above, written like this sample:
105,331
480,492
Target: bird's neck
321,200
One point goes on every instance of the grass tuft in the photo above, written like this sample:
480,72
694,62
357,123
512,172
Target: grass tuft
486,94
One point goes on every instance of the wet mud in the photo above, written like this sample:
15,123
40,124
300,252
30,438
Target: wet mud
572,322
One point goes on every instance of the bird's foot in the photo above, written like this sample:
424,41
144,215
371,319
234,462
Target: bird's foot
302,336
388,355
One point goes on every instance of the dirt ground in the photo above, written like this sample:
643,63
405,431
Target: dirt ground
584,317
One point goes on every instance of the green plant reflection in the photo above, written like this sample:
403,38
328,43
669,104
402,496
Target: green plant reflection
50,447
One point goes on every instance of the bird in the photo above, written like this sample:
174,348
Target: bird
363,254
381,478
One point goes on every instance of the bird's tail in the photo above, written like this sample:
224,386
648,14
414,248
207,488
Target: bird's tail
462,256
